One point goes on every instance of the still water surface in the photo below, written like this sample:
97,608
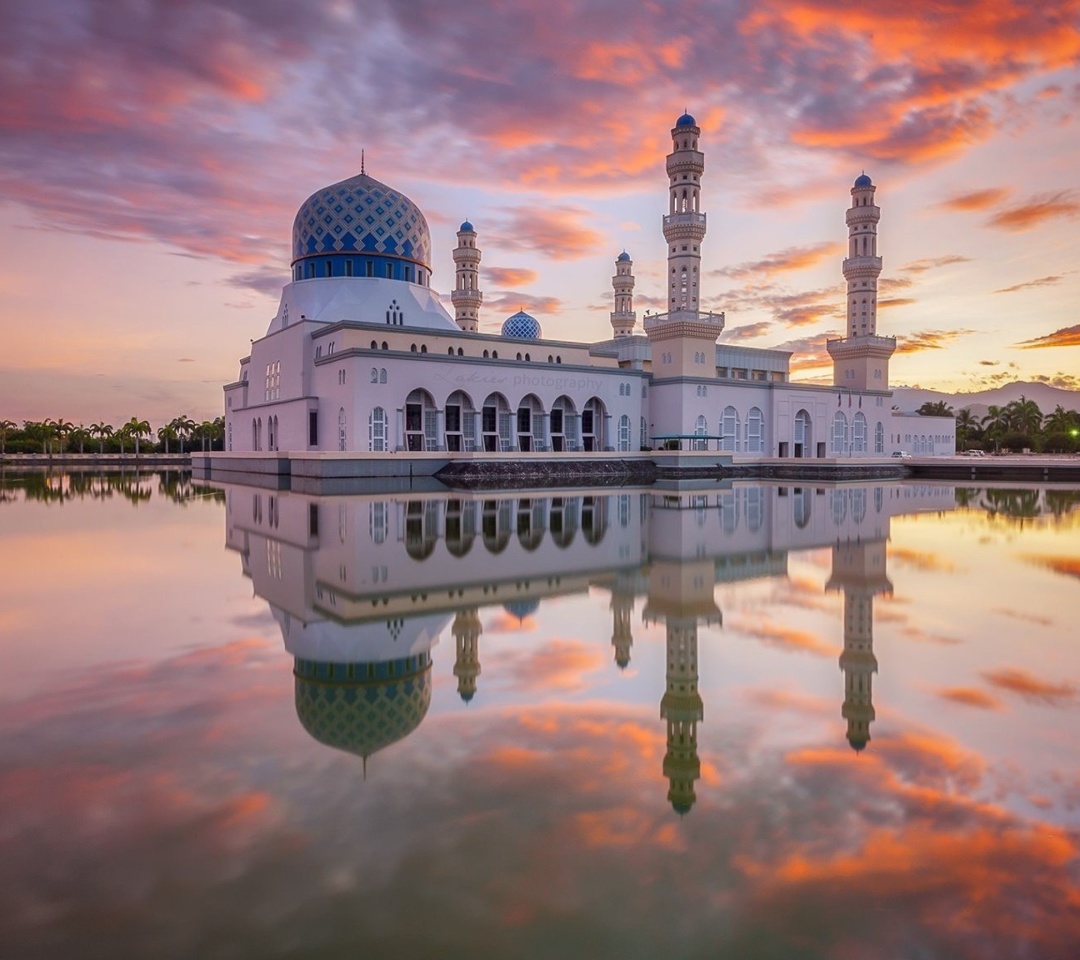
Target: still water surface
757,721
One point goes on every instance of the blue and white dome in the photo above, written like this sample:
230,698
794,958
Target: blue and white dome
522,325
686,120
863,181
363,220
622,257
466,227
520,609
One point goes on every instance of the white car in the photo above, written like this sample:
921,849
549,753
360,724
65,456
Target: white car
901,455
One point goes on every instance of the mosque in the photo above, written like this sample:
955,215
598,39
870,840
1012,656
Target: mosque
363,358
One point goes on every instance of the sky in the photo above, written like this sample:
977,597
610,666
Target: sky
153,155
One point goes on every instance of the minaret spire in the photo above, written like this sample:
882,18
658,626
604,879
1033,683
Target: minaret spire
362,161
466,296
861,358
623,317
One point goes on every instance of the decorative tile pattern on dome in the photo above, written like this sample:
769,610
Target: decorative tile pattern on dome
363,718
394,225
522,326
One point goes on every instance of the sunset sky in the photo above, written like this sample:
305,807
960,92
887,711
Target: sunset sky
153,154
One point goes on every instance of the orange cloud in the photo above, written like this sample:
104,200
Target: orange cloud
1047,206
510,276
929,340
1068,566
932,263
557,665
783,637
1030,687
971,697
1065,337
921,560
784,261
976,199
1041,282
558,233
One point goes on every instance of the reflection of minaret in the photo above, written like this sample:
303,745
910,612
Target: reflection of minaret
622,606
681,594
467,632
859,570
682,708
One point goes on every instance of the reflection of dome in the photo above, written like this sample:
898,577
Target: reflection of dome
361,215
858,744
863,181
522,608
622,257
362,707
522,326
466,227
682,807
686,121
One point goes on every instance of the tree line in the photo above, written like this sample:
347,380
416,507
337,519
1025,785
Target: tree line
1016,426
179,435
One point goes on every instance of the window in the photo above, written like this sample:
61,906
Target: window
624,433
729,430
341,428
313,428
755,431
377,430
858,434
839,435
374,374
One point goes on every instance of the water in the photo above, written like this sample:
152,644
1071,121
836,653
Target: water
762,721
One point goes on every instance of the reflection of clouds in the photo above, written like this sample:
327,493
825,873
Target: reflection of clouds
1024,616
1067,566
971,697
559,664
782,636
202,821
1032,688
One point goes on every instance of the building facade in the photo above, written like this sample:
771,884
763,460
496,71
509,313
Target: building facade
363,358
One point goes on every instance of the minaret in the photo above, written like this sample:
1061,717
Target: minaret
622,638
682,708
859,570
467,630
623,317
466,296
861,358
684,225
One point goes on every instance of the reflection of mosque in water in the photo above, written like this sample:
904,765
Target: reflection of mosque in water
363,586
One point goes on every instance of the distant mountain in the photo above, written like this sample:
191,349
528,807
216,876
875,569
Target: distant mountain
910,399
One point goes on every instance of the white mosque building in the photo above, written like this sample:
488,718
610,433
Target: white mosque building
362,358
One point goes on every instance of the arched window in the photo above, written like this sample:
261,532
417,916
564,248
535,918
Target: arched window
624,433
879,438
341,429
858,434
382,375
729,430
374,374
701,428
377,430
755,431
839,434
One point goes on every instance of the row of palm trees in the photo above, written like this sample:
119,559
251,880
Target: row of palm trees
179,435
1017,425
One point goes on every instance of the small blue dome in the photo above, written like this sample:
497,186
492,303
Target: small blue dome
522,608
522,326
686,121
863,181
622,257
466,226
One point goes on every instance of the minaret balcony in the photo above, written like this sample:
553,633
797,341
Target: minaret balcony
684,226
867,267
862,215
871,345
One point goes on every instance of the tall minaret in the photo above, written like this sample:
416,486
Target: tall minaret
466,296
467,630
684,225
682,708
622,608
859,570
623,317
861,358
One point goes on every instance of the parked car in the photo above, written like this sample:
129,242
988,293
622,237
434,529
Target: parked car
974,453
901,454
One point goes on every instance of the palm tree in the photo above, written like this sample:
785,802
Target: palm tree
996,422
166,433
62,428
967,426
1024,415
102,431
137,428
1060,421
183,425
80,435
935,408
6,425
